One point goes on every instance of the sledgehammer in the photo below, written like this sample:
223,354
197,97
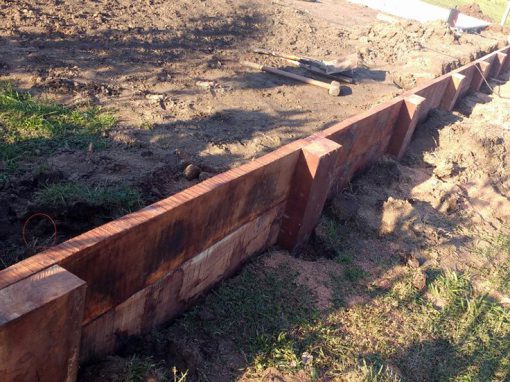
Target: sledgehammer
333,88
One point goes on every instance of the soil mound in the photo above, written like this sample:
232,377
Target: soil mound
393,43
474,10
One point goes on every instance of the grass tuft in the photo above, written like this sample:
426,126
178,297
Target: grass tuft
143,369
354,273
60,195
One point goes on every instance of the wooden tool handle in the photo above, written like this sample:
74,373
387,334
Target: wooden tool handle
276,54
315,70
283,73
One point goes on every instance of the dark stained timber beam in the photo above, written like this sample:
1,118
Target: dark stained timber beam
452,92
313,178
405,125
40,327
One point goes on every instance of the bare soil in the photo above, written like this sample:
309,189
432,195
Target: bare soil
169,71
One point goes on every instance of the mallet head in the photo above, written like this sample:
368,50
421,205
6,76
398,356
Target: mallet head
334,88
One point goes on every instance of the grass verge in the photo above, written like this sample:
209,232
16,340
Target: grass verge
491,8
31,128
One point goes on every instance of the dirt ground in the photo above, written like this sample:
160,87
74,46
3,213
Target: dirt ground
169,72
407,269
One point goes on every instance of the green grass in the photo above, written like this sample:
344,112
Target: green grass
491,8
31,128
116,197
138,369
353,273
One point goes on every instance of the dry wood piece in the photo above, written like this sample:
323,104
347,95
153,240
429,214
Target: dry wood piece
333,88
336,66
315,70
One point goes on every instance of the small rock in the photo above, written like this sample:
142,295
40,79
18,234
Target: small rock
155,97
191,172
383,284
307,359
206,84
204,175
147,153
410,260
214,64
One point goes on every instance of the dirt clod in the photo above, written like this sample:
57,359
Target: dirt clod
345,208
420,281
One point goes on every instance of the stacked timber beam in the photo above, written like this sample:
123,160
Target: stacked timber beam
77,300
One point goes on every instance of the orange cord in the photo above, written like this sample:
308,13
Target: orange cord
33,216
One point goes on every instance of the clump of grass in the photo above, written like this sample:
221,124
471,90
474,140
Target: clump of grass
64,194
343,257
329,239
338,289
139,369
353,273
30,127
367,372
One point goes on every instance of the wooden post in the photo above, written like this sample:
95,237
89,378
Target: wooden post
482,71
405,125
497,65
313,177
452,92
505,15
40,327
506,62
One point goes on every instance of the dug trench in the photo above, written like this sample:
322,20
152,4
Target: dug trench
155,100
405,278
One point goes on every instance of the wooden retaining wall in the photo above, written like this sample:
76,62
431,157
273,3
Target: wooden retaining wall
77,300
